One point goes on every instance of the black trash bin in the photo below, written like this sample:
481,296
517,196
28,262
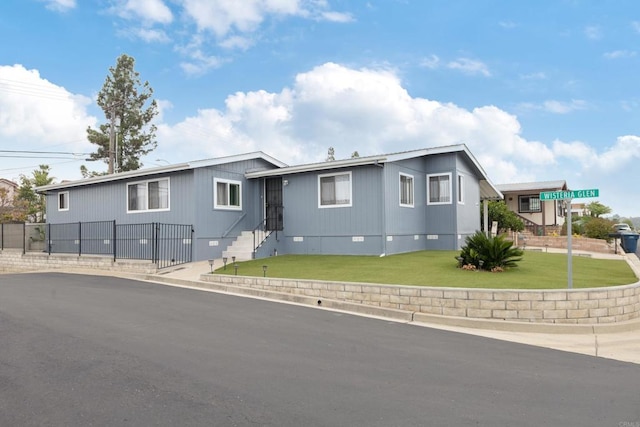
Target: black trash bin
629,242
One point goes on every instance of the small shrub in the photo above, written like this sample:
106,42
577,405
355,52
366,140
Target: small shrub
492,251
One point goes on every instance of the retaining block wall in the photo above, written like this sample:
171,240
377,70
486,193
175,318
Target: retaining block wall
576,306
16,261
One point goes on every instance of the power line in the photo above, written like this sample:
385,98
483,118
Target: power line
44,152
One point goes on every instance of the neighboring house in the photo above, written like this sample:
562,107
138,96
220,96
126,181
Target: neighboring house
580,209
540,217
377,205
8,190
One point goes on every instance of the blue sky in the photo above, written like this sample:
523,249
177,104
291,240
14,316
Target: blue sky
539,91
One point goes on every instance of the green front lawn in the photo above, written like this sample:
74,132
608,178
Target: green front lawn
537,270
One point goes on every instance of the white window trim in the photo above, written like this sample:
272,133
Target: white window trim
460,189
66,196
413,191
429,202
346,205
215,194
146,182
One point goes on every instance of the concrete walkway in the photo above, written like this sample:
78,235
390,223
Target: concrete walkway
620,341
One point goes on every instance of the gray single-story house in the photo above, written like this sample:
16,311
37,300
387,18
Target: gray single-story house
252,205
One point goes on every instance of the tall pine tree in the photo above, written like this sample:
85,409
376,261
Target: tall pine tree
128,107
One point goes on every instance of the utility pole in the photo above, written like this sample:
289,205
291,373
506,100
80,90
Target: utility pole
112,144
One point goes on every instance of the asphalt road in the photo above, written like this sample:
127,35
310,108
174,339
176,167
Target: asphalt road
97,351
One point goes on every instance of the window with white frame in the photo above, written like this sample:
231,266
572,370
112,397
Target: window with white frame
461,189
227,194
63,201
406,190
152,195
439,189
334,190
529,204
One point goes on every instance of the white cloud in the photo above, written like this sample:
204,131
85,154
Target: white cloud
150,11
555,106
593,32
60,5
339,17
616,54
367,110
237,42
151,35
40,115
469,66
432,62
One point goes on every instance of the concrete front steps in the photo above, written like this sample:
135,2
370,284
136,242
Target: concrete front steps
241,248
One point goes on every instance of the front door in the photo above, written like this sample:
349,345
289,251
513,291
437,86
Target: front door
273,204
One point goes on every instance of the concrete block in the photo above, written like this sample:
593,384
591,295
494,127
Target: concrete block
588,304
579,295
493,305
543,305
598,312
399,299
480,295
467,303
518,305
504,314
578,313
554,314
431,293
531,315
506,296
566,305
411,292
390,290
555,296
455,294
531,296
420,301
479,313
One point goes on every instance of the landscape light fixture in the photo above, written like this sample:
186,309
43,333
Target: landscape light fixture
460,261
211,265
481,263
235,266
264,270
233,258
224,260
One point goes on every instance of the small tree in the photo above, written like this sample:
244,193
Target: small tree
355,155
34,203
597,209
126,100
507,219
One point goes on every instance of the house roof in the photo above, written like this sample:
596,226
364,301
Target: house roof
487,189
532,186
8,183
140,173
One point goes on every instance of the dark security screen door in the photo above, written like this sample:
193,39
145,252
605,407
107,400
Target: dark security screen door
273,188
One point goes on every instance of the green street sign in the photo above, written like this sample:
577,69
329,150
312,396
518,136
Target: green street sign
572,194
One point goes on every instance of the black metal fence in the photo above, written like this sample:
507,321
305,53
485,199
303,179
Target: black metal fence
164,244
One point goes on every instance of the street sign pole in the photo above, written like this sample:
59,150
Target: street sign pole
567,205
566,196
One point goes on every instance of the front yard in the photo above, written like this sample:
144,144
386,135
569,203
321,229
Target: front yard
537,270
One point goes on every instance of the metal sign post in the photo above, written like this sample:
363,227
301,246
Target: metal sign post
566,196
